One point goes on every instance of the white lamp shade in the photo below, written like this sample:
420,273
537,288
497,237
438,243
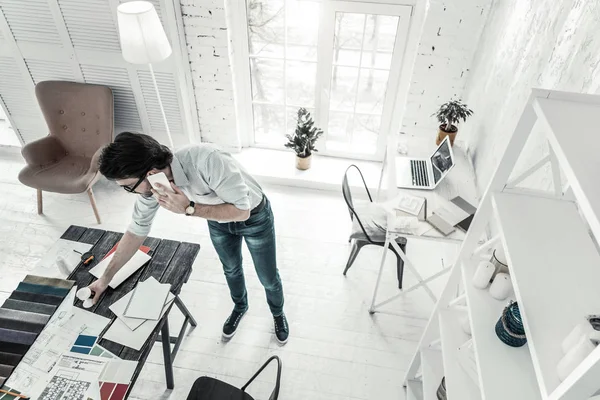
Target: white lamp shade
143,39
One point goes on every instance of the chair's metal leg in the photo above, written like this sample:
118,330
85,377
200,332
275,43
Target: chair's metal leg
185,311
353,253
166,345
40,202
93,203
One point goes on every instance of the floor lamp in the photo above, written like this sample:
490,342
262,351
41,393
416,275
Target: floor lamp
143,41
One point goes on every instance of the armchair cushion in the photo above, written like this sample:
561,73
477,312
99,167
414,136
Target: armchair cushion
43,152
72,174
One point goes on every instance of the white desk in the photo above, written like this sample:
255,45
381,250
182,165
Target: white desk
459,182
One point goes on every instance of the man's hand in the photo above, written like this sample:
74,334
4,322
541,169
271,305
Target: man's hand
98,288
175,202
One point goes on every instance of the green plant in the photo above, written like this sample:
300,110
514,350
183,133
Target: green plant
305,136
451,113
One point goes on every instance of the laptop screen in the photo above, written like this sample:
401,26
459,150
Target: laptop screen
441,161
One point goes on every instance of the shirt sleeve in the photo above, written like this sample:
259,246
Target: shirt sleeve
225,179
144,212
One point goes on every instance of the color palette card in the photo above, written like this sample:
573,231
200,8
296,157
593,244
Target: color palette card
116,378
86,344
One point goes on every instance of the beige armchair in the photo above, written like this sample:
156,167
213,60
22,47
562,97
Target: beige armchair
80,120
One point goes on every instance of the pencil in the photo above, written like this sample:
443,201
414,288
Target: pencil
20,396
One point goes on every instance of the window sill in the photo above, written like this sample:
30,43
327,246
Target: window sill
278,167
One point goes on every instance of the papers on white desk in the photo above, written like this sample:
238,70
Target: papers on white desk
139,258
63,248
410,204
120,333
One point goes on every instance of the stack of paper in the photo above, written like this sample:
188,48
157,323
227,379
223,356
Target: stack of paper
138,313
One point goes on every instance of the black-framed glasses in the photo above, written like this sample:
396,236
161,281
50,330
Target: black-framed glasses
131,189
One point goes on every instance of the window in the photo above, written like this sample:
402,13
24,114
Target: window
340,60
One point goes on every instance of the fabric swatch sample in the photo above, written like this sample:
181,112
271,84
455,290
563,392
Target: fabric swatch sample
19,337
42,289
22,320
9,358
13,348
37,298
5,370
27,316
19,325
55,282
22,305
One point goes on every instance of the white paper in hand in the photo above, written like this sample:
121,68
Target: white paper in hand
139,258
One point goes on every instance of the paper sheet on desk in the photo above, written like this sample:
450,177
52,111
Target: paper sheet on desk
120,333
64,248
75,377
139,258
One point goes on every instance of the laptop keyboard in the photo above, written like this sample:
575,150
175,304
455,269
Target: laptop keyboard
418,169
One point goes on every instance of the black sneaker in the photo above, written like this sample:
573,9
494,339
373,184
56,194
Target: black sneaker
282,329
232,323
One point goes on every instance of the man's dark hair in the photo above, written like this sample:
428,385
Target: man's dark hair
132,155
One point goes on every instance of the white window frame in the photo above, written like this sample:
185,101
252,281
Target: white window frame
398,81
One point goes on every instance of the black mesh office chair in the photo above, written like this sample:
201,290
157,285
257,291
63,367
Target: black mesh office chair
359,237
206,388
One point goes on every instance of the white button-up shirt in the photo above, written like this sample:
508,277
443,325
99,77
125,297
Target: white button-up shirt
207,176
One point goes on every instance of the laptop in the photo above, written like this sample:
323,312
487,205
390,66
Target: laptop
427,173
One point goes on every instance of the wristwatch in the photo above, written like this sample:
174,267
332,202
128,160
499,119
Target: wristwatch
189,210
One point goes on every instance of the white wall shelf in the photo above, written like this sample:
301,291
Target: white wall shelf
554,262
459,385
433,372
493,356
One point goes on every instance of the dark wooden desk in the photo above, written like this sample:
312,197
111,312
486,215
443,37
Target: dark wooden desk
171,263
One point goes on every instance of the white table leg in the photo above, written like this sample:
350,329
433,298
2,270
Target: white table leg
383,257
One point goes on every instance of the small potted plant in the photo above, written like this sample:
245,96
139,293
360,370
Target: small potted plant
449,115
303,140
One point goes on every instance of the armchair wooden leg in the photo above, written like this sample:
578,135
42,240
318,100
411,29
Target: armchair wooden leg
39,202
93,203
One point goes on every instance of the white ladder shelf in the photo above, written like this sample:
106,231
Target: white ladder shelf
554,262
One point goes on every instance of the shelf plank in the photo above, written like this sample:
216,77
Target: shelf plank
432,365
555,271
493,357
414,390
459,385
572,128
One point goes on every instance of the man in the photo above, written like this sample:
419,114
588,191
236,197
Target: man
208,184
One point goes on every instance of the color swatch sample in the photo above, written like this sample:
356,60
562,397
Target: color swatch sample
23,316
112,391
86,344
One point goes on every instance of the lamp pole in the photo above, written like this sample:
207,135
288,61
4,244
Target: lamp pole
160,104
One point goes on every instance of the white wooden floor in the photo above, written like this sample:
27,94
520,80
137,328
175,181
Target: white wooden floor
336,349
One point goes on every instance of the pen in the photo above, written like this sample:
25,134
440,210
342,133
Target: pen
20,396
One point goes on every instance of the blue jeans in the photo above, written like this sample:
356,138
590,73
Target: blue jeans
259,233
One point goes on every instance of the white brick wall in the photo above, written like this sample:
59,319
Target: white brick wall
452,30
538,43
450,36
205,27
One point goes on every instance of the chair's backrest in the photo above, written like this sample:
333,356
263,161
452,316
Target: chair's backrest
80,115
347,193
